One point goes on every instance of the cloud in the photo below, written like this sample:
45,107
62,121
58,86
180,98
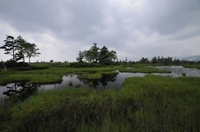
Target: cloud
133,28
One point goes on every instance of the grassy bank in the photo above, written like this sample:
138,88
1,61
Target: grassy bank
192,66
152,103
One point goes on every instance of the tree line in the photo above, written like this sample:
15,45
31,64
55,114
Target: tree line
164,60
19,48
97,55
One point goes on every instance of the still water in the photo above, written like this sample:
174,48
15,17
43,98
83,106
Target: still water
107,81
25,89
178,71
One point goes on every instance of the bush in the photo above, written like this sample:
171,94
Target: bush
10,63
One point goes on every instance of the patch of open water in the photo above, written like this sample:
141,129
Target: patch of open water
178,71
107,81
25,89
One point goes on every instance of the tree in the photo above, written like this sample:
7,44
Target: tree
19,48
80,56
154,60
10,46
88,55
95,54
112,55
92,55
144,60
30,50
104,55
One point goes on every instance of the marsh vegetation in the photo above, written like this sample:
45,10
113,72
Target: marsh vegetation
150,102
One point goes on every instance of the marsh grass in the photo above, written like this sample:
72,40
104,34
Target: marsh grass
192,66
151,103
108,73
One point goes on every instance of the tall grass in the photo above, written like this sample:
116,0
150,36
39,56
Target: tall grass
152,103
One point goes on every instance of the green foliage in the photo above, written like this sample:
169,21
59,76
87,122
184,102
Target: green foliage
95,55
81,55
10,63
18,48
29,50
10,46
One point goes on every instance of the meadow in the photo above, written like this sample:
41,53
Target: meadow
150,103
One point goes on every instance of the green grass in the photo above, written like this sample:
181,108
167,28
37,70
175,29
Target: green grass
151,103
192,66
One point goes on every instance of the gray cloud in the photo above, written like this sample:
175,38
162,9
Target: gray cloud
134,29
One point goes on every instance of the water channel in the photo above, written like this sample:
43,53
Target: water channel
26,89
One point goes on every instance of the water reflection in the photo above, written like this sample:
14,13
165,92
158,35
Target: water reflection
178,71
19,91
25,89
107,81
100,83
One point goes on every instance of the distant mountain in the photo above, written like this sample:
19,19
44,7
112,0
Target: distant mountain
192,58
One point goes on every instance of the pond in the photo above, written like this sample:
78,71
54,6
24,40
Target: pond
178,71
24,89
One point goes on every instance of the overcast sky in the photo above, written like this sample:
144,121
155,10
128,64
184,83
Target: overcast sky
133,28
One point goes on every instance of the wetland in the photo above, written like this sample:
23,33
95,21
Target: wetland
112,98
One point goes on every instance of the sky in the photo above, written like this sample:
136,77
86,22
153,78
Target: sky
132,28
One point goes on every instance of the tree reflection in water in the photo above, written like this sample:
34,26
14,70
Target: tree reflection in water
21,91
97,82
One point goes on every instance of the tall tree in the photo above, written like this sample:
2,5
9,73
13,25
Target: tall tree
104,55
80,56
30,50
10,46
112,55
89,55
20,49
92,55
95,52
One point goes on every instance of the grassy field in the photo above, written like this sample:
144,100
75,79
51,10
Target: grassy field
151,103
